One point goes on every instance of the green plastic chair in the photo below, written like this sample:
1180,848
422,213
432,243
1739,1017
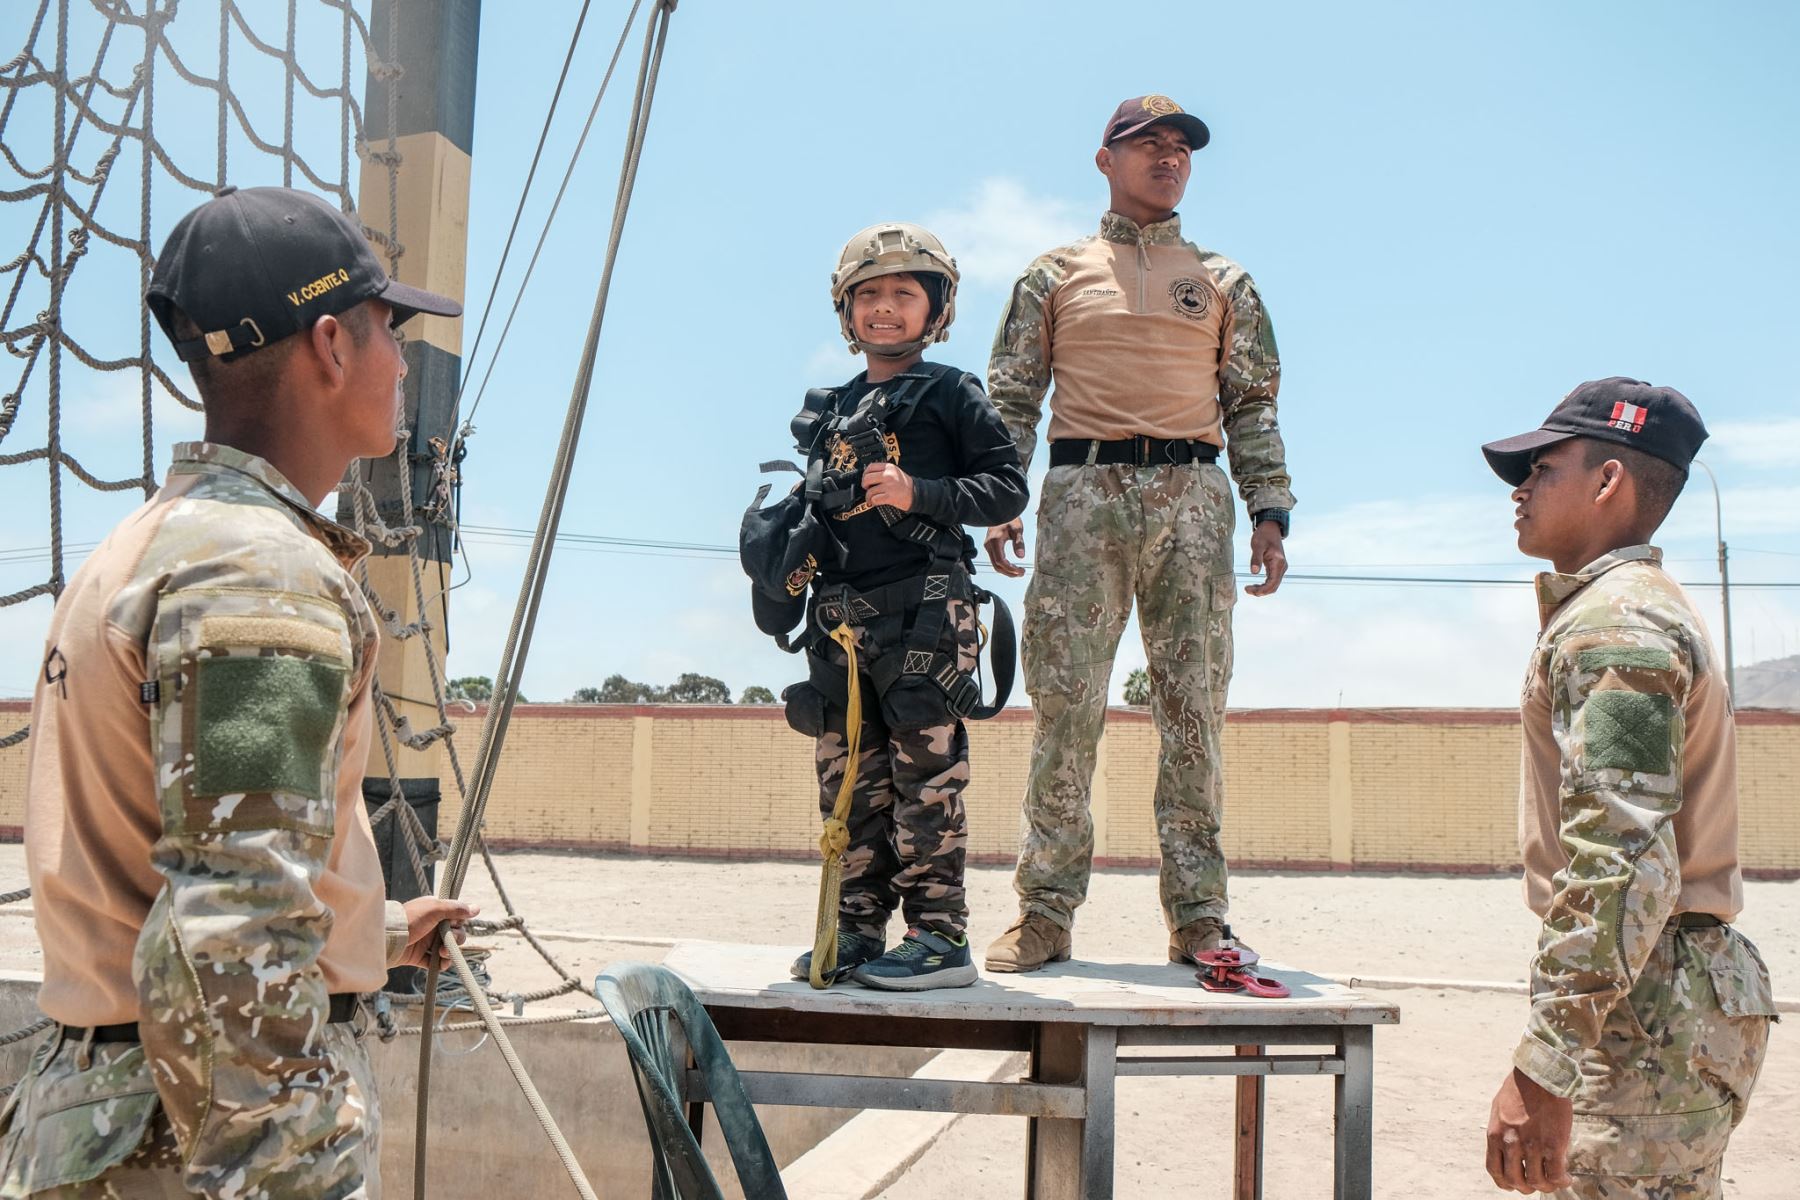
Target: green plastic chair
657,1016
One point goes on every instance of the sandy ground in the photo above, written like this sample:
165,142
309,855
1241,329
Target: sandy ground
1434,1073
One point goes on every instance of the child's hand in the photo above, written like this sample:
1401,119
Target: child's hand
887,484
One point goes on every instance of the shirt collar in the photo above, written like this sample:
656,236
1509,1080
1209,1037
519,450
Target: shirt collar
1554,589
1116,228
200,458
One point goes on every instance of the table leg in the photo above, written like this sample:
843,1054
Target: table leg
1247,1176
1069,1159
1355,1115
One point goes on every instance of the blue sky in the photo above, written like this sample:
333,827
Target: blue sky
1454,212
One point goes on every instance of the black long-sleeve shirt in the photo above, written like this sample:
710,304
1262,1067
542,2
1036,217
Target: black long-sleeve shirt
965,471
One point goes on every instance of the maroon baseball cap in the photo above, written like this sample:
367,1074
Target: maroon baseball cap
1141,112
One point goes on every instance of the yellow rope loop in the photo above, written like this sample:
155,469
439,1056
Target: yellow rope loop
836,836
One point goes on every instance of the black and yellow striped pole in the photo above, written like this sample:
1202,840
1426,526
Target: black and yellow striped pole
418,118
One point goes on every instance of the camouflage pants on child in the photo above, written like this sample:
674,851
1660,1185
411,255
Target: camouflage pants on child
1108,535
908,832
1672,1073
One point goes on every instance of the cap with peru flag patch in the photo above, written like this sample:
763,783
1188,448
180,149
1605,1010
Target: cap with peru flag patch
1660,421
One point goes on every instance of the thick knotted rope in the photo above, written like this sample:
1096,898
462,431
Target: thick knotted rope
835,838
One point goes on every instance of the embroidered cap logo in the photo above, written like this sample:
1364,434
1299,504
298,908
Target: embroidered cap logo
1628,417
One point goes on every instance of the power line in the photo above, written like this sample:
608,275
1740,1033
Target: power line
506,535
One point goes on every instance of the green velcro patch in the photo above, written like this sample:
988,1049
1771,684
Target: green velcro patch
1646,658
1628,731
264,724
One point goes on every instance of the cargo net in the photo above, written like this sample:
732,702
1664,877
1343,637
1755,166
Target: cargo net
87,167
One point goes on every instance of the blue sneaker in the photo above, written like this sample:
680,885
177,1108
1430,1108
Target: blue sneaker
853,950
923,960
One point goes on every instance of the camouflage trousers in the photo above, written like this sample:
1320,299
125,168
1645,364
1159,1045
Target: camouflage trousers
87,1125
908,829
1672,1073
1108,536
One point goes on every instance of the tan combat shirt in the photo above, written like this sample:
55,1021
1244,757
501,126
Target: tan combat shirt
200,855
1144,333
1628,793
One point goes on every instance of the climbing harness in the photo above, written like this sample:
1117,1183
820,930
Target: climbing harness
785,546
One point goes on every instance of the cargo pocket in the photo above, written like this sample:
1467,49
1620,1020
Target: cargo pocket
1739,978
1648,1146
1222,596
73,1125
804,706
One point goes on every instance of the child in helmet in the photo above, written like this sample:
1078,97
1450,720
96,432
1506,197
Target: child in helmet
898,459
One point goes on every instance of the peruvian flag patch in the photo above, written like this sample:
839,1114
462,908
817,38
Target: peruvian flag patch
1628,417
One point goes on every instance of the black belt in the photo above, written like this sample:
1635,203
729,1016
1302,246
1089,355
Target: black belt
342,1010
1132,451
1694,920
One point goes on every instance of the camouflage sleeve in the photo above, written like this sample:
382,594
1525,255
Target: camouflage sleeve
1019,366
1249,378
251,690
1617,715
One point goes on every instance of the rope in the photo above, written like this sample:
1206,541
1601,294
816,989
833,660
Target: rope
835,838
518,642
544,233
524,620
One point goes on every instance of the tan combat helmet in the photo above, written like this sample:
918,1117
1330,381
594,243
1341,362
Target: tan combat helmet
894,248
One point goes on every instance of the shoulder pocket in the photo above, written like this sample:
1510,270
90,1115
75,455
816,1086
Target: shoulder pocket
255,687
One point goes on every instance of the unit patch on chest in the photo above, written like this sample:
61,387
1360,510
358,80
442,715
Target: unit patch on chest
1190,298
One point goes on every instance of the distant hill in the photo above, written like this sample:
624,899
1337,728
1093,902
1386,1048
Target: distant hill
1771,684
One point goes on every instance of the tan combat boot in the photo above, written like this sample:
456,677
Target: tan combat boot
1029,943
1208,933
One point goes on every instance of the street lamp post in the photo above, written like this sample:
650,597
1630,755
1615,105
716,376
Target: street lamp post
1724,577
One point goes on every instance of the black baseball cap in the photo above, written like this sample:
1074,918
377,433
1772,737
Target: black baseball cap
1141,112
254,265
1660,421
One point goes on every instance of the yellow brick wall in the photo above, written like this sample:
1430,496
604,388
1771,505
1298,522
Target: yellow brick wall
1417,789
1434,792
1768,793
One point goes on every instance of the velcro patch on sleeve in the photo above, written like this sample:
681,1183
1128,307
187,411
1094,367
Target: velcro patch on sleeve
1647,658
272,633
1627,731
264,724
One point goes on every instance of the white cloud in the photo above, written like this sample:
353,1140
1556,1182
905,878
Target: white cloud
1770,443
1002,227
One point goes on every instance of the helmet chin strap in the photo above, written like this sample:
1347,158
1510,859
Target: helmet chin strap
901,349
896,350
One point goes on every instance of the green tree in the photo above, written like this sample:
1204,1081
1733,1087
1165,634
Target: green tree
1137,687
479,688
616,690
757,694
695,689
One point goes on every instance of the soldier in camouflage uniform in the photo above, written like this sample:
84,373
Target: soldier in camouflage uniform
899,459
1649,1012
208,894
1162,356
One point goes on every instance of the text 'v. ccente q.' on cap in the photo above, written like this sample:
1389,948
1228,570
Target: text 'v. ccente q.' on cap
254,265
1140,112
1659,421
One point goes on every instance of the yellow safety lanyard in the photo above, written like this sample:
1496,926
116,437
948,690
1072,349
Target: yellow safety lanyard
836,836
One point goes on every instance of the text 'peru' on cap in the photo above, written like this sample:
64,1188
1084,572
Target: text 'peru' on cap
1659,421
253,265
1141,112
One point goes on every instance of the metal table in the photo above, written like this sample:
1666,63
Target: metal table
1083,1024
